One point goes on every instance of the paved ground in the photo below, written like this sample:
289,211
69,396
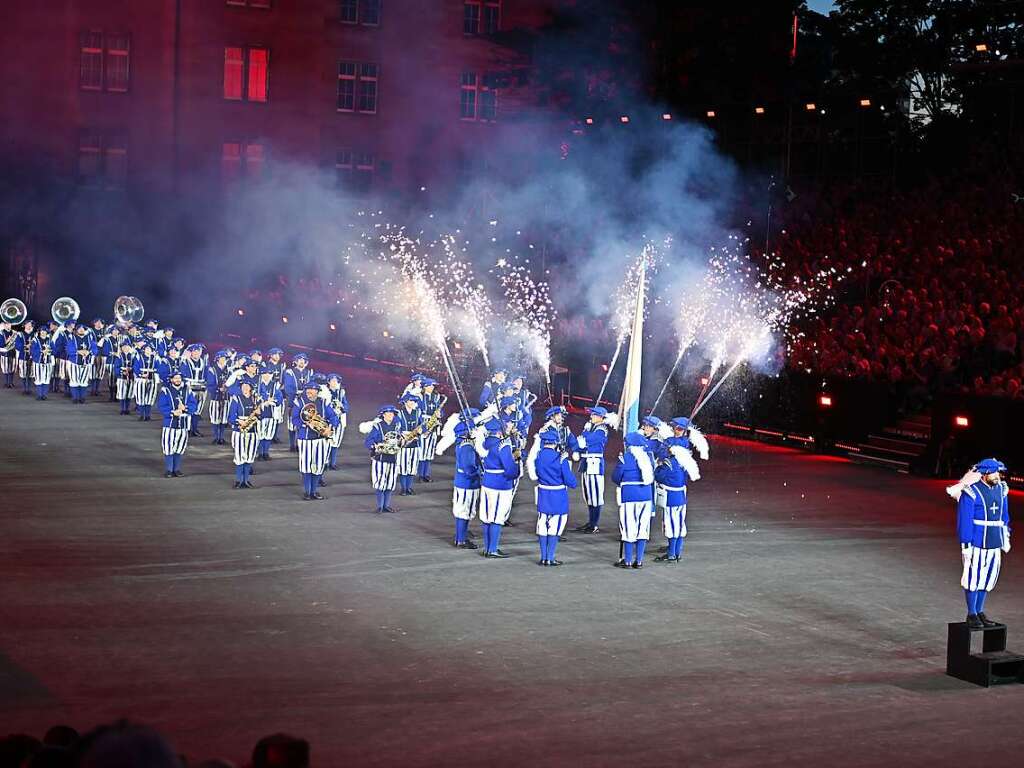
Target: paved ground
806,625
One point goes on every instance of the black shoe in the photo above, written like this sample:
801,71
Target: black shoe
554,563
562,538
222,441
973,622
197,433
168,474
620,563
247,484
410,492
466,545
498,553
142,418
275,440
237,484
306,497
266,458
179,473
638,565
333,469
986,621
509,524
215,441
585,528
426,480
542,562
663,559
317,496
390,510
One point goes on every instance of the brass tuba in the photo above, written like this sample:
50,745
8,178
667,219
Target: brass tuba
128,309
13,311
315,421
65,309
392,443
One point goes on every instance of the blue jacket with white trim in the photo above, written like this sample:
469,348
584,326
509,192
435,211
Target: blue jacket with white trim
983,515
554,479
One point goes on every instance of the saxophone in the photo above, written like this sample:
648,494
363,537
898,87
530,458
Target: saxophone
434,420
313,420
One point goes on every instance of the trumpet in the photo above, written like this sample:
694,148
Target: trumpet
315,421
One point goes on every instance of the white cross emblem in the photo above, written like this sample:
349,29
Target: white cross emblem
995,509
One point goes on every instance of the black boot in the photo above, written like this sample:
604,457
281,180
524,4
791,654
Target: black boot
973,622
986,621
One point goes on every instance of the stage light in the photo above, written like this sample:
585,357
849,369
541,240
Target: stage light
604,367
703,381
241,312
822,111
758,110
881,107
457,344
624,119
825,401
333,327
666,116
385,334
810,106
962,421
711,113
589,121
865,102
981,47
284,319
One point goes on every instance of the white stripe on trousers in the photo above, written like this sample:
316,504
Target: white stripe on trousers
408,461
312,456
173,440
23,366
465,502
495,505
123,388
244,445
6,363
79,375
428,446
674,522
218,411
981,570
635,520
337,436
593,490
42,373
383,476
551,525
145,391
265,429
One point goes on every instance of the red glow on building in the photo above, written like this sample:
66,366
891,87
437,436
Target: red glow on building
962,421
825,401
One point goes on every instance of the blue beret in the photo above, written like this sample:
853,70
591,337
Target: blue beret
987,466
428,382
386,409
300,356
275,351
334,377
505,402
555,410
221,353
635,439
461,429
549,436
598,410
651,421
680,422
253,352
494,426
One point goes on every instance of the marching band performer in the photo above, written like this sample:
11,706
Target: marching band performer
634,476
383,436
526,398
432,403
275,362
466,490
676,468
147,383
7,353
169,363
415,386
23,353
177,405
515,430
163,341
983,524
410,421
549,468
591,443
268,391
312,443
555,417
59,334
501,469
110,347
217,393
490,391
81,352
42,362
123,374
243,416
335,395
193,370
294,381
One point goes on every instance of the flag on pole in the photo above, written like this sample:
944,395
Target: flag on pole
629,405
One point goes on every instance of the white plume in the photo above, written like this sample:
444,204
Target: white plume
487,413
325,393
686,461
445,442
699,442
664,431
478,442
643,461
449,426
366,427
612,420
531,459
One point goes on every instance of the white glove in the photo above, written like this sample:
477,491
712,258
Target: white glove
575,456
1006,540
478,442
967,552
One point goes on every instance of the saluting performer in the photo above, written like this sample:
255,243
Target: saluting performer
177,405
675,469
217,376
383,436
550,469
311,435
124,375
526,398
294,381
269,391
501,470
983,524
410,421
244,417
147,383
591,443
432,407
23,353
491,389
338,400
42,362
81,352
466,491
634,476
193,370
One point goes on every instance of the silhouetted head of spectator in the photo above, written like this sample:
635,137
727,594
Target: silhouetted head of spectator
280,751
17,748
61,736
126,745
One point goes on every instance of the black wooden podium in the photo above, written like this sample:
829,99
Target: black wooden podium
994,665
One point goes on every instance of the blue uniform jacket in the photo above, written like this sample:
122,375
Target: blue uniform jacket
592,442
339,400
408,422
169,399
554,478
166,366
142,363
671,476
302,432
121,362
239,406
75,345
628,476
37,348
216,381
377,436
271,391
983,515
294,381
500,469
467,465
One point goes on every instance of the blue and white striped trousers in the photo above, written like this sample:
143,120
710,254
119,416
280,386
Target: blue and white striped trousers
465,502
42,373
428,446
266,427
123,388
145,391
244,445
981,569
173,440
593,490
496,505
79,375
551,525
635,520
383,475
218,411
674,522
313,456
408,460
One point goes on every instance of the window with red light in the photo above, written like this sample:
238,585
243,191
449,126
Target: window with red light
478,98
241,160
365,12
104,61
102,160
357,87
355,170
246,73
481,17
